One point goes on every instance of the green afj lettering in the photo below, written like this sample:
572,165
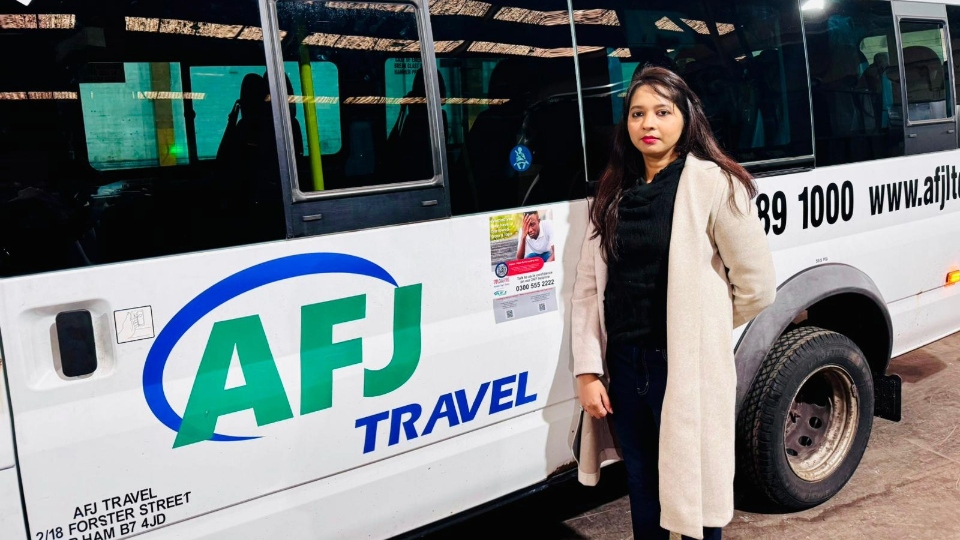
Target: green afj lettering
263,390
209,399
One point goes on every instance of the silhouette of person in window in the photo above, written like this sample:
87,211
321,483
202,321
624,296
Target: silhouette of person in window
409,149
244,123
248,157
875,80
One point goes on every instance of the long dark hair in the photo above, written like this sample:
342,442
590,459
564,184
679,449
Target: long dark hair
626,162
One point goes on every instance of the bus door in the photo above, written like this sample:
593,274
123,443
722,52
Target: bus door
365,146
926,66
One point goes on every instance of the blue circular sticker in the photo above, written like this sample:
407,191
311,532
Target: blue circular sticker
501,270
520,158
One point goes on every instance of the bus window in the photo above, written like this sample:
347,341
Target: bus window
857,113
510,105
134,129
745,60
953,18
924,68
363,120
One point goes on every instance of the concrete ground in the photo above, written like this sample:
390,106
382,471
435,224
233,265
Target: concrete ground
907,485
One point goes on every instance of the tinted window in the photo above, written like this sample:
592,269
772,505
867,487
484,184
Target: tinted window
133,129
148,131
354,70
953,17
855,81
511,118
925,71
744,59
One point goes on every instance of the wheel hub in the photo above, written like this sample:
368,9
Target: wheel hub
822,423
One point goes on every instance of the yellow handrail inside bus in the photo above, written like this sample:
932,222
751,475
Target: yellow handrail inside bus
310,117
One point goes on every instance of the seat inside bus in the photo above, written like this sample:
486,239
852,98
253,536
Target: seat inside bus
924,73
540,103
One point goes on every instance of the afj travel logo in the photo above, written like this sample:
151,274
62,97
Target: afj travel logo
263,390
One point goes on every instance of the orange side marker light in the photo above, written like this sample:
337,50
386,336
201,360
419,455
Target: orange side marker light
953,277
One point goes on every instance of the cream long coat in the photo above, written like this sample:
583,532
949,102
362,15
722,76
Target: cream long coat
720,276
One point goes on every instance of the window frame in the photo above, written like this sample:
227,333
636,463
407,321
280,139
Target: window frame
772,165
518,41
805,162
289,176
766,167
951,88
896,61
931,141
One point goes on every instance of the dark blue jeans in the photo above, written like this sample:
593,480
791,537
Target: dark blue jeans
638,381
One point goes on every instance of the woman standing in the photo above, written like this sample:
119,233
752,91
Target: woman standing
675,258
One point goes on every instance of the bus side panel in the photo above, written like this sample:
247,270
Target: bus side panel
924,318
410,490
11,507
844,214
231,375
7,457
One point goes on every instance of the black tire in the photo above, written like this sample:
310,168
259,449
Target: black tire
806,462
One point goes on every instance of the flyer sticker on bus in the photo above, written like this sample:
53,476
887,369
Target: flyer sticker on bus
523,253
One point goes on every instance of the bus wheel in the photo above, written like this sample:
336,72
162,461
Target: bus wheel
807,418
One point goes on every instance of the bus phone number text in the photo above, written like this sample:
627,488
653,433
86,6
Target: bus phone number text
819,206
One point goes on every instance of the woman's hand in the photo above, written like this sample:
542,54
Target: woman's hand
593,396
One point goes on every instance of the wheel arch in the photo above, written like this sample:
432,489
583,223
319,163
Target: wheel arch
833,296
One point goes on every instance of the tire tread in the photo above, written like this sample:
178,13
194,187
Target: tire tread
756,427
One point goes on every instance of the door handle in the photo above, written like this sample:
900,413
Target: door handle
912,135
951,131
78,348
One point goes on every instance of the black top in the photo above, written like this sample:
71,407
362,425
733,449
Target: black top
635,304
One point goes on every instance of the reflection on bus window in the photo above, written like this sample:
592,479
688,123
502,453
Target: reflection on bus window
220,86
221,89
744,59
369,124
925,71
138,121
408,141
513,134
855,82
133,143
105,157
